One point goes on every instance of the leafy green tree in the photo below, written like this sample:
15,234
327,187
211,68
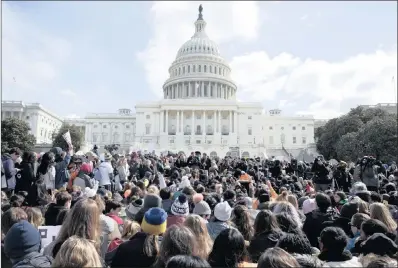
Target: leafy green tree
112,148
348,147
15,133
75,133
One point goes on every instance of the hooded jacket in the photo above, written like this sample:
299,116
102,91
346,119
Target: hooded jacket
9,170
22,246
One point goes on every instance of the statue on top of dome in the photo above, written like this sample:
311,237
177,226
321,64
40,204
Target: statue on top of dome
200,12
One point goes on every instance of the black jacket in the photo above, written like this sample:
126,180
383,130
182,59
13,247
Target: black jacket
131,254
314,224
52,214
262,242
343,223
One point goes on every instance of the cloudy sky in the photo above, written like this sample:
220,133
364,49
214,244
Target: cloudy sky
319,58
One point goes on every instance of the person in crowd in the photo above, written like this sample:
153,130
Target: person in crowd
142,248
61,160
8,161
202,209
229,250
355,223
77,252
321,178
178,240
380,212
222,215
22,246
288,208
344,218
112,210
150,201
313,224
83,179
197,225
379,245
167,202
26,177
266,234
241,220
332,243
104,173
35,216
83,221
63,201
275,258
179,210
296,244
130,228
185,261
123,169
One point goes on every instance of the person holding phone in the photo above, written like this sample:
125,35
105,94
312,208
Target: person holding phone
9,159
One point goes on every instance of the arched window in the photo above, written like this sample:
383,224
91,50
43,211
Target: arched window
187,129
211,69
194,68
205,69
199,68
183,70
198,130
179,70
189,68
219,70
209,129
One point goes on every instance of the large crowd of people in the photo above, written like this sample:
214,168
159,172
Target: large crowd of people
177,210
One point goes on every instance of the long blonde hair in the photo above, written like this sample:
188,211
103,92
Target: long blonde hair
83,221
35,217
379,211
77,252
130,228
198,227
293,200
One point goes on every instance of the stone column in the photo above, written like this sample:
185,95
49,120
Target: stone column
167,122
178,123
204,123
193,123
236,122
219,121
161,122
182,122
230,121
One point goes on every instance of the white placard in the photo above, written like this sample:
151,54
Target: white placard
48,234
67,137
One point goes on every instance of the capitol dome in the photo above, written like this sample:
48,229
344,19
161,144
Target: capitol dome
199,71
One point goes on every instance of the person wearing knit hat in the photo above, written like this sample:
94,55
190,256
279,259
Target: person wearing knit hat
179,210
154,221
133,208
202,209
309,205
131,253
222,214
150,201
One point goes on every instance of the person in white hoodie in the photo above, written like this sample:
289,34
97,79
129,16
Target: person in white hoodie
332,243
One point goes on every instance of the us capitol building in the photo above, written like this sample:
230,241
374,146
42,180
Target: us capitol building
199,112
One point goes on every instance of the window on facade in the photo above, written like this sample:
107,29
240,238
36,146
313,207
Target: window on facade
271,140
199,68
270,128
147,129
183,70
249,131
249,117
198,130
187,142
211,69
171,141
198,141
198,116
209,116
302,128
179,71
224,116
205,69
194,68
219,70
189,68
104,126
104,136
27,117
282,128
304,140
127,126
116,127
294,128
294,140
95,126
148,116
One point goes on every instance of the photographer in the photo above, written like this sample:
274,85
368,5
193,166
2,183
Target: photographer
321,177
367,172
342,176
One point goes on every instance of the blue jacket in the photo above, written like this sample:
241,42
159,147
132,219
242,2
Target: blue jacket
61,171
351,241
9,170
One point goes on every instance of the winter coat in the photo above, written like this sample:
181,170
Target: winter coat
261,242
367,175
34,260
9,170
216,227
343,223
51,214
166,205
49,178
25,177
83,181
104,173
313,225
61,172
344,259
131,254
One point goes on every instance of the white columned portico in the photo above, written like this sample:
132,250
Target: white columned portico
235,122
219,121
215,122
202,91
193,123
182,122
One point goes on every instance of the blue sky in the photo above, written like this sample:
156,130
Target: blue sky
320,58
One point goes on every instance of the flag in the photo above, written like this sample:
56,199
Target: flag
67,138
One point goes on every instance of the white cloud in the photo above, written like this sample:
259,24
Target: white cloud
332,87
304,17
69,93
173,25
